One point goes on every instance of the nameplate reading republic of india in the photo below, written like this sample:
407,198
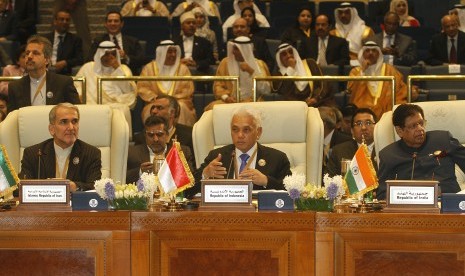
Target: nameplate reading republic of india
412,196
44,195
227,194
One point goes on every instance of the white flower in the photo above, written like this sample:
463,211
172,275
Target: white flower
295,181
150,186
99,186
337,179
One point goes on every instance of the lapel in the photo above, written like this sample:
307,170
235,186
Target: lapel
48,88
144,153
48,163
443,46
26,88
74,161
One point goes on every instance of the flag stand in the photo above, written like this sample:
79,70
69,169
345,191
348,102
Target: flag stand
173,206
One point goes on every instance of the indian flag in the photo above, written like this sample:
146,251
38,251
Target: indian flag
361,176
174,174
8,178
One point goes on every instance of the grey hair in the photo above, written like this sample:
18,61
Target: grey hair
48,48
328,116
249,111
53,112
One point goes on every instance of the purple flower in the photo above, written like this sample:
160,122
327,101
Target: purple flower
294,194
332,190
110,191
140,185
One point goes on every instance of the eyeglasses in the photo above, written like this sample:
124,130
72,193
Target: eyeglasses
151,134
414,126
364,123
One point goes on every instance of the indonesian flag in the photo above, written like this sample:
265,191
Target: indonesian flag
361,175
174,174
8,178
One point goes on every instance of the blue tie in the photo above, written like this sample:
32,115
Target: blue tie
244,157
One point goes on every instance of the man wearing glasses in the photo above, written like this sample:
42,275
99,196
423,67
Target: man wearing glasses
156,145
420,154
363,126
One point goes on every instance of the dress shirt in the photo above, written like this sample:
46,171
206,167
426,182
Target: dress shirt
252,160
61,156
188,46
449,44
56,42
40,99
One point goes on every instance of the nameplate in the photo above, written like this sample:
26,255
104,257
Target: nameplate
44,195
226,194
412,196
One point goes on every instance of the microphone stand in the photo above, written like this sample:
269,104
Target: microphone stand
39,153
233,154
414,156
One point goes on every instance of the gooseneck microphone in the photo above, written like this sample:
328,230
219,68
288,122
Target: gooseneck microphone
414,157
39,154
233,155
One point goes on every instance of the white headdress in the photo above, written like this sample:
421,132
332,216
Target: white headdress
167,70
103,47
299,69
353,31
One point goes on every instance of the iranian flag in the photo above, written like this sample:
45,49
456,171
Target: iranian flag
361,175
174,174
8,178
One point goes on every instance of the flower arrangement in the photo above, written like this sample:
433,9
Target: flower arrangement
308,196
131,196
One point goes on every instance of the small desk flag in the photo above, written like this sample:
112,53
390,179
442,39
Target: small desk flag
8,178
361,175
175,175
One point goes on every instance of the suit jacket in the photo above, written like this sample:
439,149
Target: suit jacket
276,168
405,45
8,25
344,150
262,52
139,154
85,163
202,52
438,53
62,88
396,162
131,47
26,11
72,51
337,51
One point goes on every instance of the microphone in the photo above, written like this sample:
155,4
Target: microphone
414,157
39,154
233,155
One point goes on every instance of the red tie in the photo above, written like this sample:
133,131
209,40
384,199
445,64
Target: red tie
453,53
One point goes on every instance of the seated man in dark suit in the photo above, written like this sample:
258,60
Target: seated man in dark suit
323,47
397,48
434,153
447,47
130,50
196,51
156,144
64,155
363,126
67,47
246,158
40,87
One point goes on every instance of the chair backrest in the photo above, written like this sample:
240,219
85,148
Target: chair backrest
289,126
100,126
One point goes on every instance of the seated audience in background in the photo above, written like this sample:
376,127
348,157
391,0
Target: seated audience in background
314,93
323,47
8,23
447,47
348,112
239,5
260,47
168,63
5,59
3,105
362,127
265,166
332,136
459,11
255,26
241,62
40,87
400,7
375,95
144,8
203,30
339,117
435,153
297,34
63,156
16,69
351,27
209,8
67,47
157,143
196,51
129,48
397,48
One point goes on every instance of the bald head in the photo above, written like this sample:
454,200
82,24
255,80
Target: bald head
240,27
450,25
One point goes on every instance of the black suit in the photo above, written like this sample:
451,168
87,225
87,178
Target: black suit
337,50
61,87
139,154
8,25
84,166
26,11
71,51
438,52
276,165
344,150
406,48
131,47
202,52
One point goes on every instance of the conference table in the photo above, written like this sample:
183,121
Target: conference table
230,243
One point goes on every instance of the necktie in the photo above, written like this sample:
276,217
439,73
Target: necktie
322,53
244,157
116,42
453,52
60,47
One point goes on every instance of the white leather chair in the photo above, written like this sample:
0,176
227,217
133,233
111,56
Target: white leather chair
291,127
100,126
442,115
